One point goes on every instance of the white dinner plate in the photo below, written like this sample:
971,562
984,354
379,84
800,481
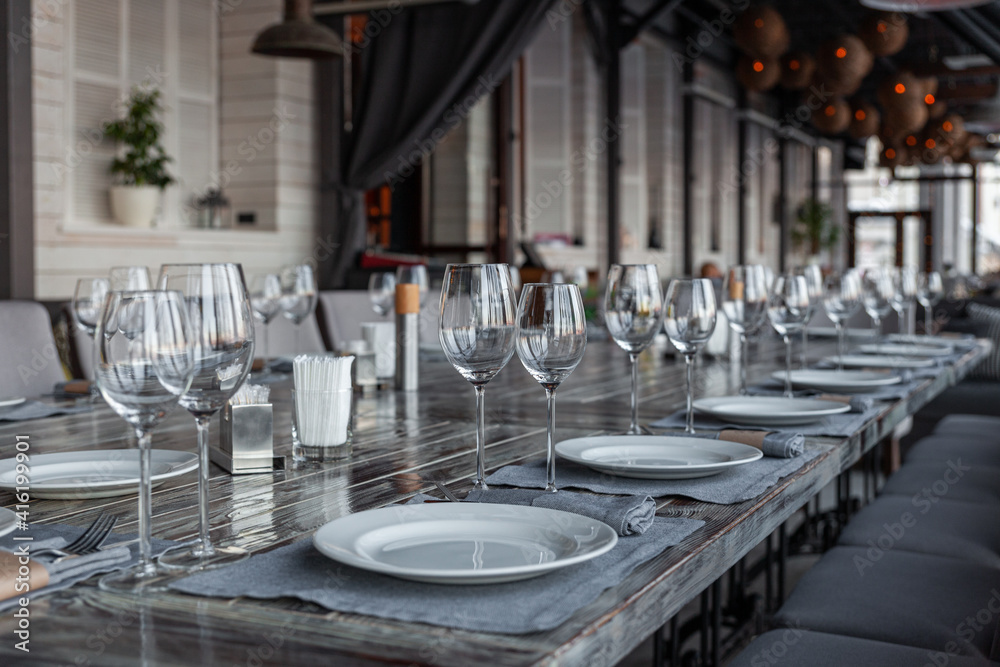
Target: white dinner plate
831,332
11,401
834,380
463,543
94,474
769,410
906,350
915,339
8,521
656,456
880,361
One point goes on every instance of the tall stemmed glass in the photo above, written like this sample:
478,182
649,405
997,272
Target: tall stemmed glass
219,309
841,299
904,280
131,278
477,333
690,321
415,274
930,291
633,313
141,378
814,284
787,309
744,301
382,292
298,300
88,300
879,290
265,300
551,338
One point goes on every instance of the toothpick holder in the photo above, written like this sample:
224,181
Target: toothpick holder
246,440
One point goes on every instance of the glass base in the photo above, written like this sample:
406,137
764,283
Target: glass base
193,558
135,580
480,486
640,430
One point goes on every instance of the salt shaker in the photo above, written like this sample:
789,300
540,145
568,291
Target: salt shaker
407,336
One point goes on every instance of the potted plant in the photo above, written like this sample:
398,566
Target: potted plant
814,230
140,173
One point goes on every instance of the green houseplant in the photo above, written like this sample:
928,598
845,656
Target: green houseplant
814,230
140,171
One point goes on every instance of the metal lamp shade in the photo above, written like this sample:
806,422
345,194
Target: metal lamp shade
298,36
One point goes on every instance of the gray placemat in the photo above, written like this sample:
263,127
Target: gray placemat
838,426
42,533
532,605
39,410
731,486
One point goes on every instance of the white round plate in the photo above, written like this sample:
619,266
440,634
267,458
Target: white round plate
906,350
880,361
94,474
8,521
914,339
657,456
834,380
769,410
11,401
463,543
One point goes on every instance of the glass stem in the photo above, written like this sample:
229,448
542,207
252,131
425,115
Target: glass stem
634,426
205,548
840,345
788,366
481,437
267,363
298,338
927,320
878,334
550,460
805,339
146,566
689,368
744,352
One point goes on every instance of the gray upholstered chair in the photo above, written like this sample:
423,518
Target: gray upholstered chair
282,341
342,312
978,485
29,361
941,449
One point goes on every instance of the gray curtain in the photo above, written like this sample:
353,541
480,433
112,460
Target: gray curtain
421,74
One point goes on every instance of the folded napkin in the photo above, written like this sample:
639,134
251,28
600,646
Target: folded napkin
838,426
857,403
628,515
780,444
38,410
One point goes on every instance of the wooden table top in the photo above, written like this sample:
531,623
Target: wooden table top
404,441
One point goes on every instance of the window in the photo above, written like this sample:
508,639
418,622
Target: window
116,45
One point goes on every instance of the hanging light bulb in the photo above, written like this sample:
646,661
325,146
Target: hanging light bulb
298,35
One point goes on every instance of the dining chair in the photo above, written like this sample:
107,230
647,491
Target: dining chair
29,359
342,312
282,337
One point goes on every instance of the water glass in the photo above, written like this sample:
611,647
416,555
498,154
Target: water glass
744,301
814,284
690,321
787,310
322,424
879,291
930,291
841,299
382,292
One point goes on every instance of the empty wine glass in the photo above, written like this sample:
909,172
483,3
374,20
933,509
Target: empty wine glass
141,379
689,322
633,313
218,308
132,278
814,284
551,338
265,301
787,309
415,274
930,291
382,292
841,299
477,333
879,290
88,300
298,301
744,301
904,280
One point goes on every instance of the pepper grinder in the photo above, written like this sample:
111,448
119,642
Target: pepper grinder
407,336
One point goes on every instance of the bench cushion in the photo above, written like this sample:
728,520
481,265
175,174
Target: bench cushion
981,485
941,449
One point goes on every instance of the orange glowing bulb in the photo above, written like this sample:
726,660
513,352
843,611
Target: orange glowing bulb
930,143
928,98
841,52
911,140
794,65
758,66
881,27
947,126
900,88
758,23
890,153
830,110
860,114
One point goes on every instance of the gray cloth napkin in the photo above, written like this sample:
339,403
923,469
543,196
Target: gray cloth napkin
730,486
838,426
72,570
541,603
628,515
779,444
38,410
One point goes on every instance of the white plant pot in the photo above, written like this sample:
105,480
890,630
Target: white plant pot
135,205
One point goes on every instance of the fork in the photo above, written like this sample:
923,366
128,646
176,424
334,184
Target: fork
88,542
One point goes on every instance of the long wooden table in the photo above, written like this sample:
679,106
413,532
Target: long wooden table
403,442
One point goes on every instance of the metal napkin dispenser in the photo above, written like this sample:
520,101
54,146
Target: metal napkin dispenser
246,440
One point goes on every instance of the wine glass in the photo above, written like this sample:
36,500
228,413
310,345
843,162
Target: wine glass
132,278
415,274
477,333
930,291
787,309
814,284
265,301
218,308
690,321
841,299
141,379
904,281
633,313
88,300
744,301
879,290
382,292
298,301
551,338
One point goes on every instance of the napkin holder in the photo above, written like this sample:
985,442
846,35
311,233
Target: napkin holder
246,440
